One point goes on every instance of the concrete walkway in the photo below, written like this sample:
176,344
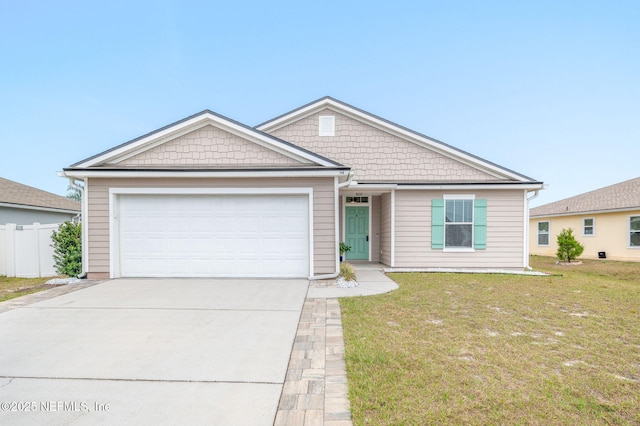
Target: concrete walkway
315,391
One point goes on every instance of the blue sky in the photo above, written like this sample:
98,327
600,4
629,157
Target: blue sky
550,89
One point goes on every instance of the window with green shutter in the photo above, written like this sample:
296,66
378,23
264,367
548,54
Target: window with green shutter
459,222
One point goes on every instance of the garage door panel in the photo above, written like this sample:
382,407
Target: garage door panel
214,235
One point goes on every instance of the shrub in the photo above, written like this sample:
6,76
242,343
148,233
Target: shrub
344,248
568,247
347,272
67,249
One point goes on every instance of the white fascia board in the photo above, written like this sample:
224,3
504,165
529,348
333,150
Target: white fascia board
195,123
296,115
38,208
587,213
474,186
212,191
81,174
361,187
385,126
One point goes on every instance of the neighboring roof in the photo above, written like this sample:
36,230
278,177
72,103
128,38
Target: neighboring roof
621,196
193,122
389,126
24,196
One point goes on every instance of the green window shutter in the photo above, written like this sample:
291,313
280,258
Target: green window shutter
437,223
480,224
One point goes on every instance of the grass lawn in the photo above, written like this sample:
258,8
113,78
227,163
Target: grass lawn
498,349
11,288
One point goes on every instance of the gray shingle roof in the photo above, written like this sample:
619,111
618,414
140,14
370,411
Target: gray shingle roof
621,196
27,196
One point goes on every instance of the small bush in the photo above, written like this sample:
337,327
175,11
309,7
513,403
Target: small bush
67,249
344,248
347,272
568,247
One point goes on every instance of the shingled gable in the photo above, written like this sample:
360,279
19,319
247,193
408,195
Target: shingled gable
205,141
417,152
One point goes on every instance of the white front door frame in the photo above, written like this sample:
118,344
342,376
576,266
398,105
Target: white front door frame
343,212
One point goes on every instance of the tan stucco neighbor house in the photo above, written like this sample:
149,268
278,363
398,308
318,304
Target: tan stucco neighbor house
210,197
605,221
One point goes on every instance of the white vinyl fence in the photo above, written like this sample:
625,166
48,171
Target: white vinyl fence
25,250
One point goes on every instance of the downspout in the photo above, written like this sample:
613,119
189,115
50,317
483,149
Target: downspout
339,186
73,182
526,228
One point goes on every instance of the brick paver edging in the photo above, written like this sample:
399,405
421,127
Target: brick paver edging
315,388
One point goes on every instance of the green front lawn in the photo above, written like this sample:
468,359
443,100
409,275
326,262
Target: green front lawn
498,349
11,288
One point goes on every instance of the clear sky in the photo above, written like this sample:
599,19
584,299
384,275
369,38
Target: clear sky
550,89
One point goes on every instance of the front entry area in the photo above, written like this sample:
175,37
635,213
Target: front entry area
357,232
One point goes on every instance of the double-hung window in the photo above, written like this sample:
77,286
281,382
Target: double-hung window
543,233
634,231
588,226
459,222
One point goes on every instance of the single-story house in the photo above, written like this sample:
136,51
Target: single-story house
208,196
24,205
605,221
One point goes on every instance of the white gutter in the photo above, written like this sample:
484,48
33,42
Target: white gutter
527,186
526,227
81,174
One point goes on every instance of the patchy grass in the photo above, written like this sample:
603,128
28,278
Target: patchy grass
498,349
11,288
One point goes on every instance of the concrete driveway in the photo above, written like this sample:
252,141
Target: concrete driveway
188,351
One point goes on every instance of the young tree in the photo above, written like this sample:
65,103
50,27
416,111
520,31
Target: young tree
74,193
568,247
67,249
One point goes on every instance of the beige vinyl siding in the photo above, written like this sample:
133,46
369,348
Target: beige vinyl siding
385,229
209,146
376,155
505,232
98,212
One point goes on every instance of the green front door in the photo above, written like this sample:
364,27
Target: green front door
357,232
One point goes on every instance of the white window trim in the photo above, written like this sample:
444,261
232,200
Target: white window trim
329,121
538,233
593,226
114,223
471,197
629,232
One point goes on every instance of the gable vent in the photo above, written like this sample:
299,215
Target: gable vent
327,125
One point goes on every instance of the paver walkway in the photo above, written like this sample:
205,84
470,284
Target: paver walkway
315,390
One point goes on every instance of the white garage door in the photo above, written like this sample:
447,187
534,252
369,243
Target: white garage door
213,235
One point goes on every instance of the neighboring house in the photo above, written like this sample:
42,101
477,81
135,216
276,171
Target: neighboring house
605,221
25,205
208,196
